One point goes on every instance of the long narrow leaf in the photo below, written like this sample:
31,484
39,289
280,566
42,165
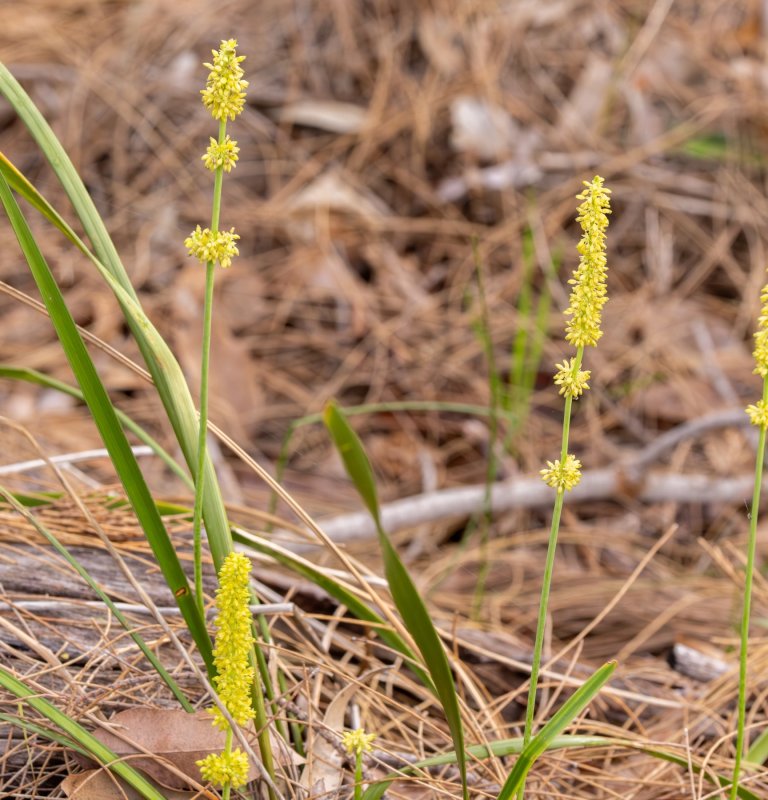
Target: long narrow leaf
109,427
76,731
404,592
507,747
336,590
162,365
572,707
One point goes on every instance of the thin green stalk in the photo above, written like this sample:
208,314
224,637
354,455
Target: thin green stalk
750,568
227,750
358,775
548,569
210,268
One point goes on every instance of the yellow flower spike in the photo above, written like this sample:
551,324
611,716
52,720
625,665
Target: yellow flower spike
357,742
222,155
562,476
572,382
224,93
223,768
205,245
761,337
234,641
589,293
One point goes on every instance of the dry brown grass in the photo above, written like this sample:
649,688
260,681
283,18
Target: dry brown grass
355,272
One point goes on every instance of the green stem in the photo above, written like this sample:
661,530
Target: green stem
358,775
751,543
210,268
547,579
227,750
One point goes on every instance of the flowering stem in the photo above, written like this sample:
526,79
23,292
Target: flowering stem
204,370
548,569
358,776
751,543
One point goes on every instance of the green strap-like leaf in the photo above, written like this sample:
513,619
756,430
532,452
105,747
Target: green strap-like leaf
404,592
79,734
572,707
161,363
109,427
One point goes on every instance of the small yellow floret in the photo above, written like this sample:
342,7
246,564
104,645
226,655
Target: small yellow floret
572,381
224,93
207,246
589,294
358,741
221,156
562,477
758,414
223,768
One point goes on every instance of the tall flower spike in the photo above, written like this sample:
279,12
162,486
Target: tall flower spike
589,294
224,93
234,641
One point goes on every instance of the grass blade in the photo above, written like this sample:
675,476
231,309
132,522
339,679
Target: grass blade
109,427
404,593
162,365
79,734
336,590
572,707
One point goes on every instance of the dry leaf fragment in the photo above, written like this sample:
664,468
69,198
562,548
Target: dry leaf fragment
172,741
98,784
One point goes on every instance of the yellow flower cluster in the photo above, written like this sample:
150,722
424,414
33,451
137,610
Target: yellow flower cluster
758,414
224,93
562,477
589,294
572,381
221,156
234,641
357,742
223,768
205,245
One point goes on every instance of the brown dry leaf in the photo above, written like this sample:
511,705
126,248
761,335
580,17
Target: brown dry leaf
98,784
176,741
